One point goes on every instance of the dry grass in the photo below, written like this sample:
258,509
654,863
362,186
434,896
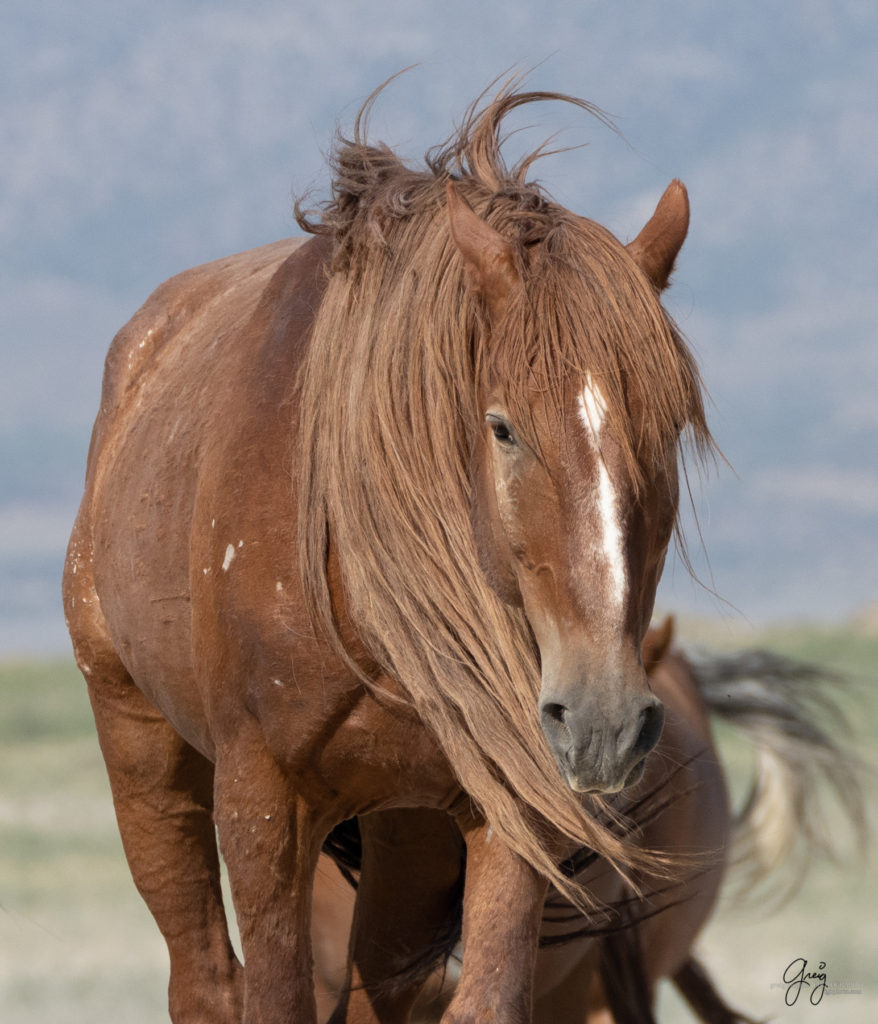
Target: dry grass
77,944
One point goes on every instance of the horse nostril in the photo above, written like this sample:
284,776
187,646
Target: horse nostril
652,718
555,712
555,722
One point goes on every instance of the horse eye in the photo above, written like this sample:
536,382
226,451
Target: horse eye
501,430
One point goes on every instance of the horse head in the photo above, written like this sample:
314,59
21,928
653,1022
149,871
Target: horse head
573,509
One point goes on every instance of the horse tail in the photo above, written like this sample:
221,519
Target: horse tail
807,779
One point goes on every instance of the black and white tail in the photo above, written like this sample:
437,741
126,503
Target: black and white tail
806,788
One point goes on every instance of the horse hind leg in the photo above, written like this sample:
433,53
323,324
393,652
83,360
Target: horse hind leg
621,992
163,795
406,919
696,987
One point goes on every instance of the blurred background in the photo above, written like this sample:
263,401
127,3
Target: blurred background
141,137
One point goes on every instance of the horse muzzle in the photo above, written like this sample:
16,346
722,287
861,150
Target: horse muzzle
598,753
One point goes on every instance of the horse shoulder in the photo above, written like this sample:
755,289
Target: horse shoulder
168,403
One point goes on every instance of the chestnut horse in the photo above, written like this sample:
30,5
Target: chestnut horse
375,521
600,970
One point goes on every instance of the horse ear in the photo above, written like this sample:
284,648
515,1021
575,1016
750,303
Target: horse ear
656,644
488,257
655,248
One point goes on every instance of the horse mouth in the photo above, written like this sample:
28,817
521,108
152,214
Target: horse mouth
588,788
636,774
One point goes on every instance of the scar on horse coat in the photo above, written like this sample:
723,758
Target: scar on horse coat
376,520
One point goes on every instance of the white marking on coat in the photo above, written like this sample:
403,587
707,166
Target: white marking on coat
592,407
278,586
230,554
592,411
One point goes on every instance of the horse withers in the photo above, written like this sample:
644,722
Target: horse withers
371,521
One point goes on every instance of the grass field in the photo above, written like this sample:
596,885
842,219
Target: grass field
77,944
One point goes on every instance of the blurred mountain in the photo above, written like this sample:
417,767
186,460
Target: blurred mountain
138,138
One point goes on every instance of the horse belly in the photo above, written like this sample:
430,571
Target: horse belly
696,820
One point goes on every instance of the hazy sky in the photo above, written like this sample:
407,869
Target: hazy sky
138,138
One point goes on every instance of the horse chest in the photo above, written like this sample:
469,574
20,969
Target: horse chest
381,758
346,747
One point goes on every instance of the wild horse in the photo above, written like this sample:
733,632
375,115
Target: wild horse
375,521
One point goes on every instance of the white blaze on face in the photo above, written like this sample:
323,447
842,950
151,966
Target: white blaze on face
592,411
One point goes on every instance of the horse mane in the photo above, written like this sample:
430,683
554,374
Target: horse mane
388,420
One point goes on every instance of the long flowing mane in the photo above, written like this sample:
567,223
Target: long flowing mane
389,419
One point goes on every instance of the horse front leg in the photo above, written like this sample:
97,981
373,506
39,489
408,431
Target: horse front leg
270,839
502,911
163,796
